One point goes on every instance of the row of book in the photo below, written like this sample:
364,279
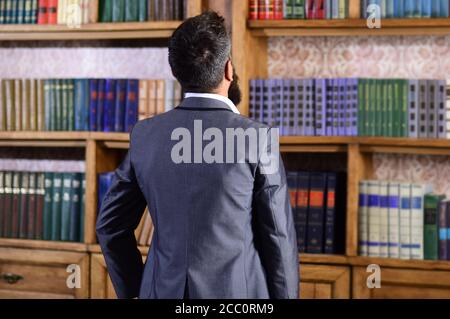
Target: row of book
145,229
298,9
407,8
353,107
42,205
318,204
403,220
76,12
106,105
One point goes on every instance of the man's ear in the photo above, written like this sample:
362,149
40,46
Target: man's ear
229,71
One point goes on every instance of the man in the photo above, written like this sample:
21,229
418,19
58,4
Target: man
223,229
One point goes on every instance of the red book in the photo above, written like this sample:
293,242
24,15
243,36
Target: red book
253,9
265,9
42,12
319,9
15,205
310,9
278,9
40,193
52,11
31,216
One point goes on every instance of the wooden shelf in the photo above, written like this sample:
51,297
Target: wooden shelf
348,27
43,244
97,31
399,263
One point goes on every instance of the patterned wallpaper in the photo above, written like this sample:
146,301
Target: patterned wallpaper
393,57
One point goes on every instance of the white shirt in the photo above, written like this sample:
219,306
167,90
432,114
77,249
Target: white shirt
215,97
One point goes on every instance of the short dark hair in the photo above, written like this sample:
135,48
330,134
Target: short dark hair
198,52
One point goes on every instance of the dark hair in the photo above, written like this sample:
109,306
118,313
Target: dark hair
198,52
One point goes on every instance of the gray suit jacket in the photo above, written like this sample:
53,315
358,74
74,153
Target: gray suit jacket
221,230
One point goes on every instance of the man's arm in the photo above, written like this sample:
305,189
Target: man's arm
120,213
276,236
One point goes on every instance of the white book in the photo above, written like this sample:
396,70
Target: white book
394,220
384,219
418,192
373,190
405,221
363,221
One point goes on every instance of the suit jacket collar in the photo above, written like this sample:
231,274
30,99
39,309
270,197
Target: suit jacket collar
203,104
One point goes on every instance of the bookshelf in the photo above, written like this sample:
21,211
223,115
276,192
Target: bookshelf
344,276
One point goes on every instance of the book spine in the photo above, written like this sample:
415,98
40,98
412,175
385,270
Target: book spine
315,228
75,209
363,220
384,218
299,9
413,110
378,107
40,198
7,217
447,110
405,221
330,215
78,104
289,108
21,12
288,12
42,12
423,107
394,220
447,229
64,226
441,109
417,217
17,99
342,107
33,106
25,107
336,99
70,97
373,244
121,87
57,107
259,99
352,114
426,9
3,126
431,226
131,10
310,108
56,206
15,207
106,8
109,105
310,9
320,9
33,12
31,214
271,103
343,9
301,210
2,13
320,87
48,207
132,104
444,9
265,103
298,109
93,99
83,203
432,110
443,249
100,104
52,11
93,9
284,107
277,9
384,108
2,203
329,108
24,199
143,10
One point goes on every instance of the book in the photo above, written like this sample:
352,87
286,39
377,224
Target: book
443,249
101,104
394,219
288,12
3,126
93,9
441,109
15,205
142,10
8,198
315,224
330,215
320,109
423,114
413,103
81,104
105,11
132,104
132,10
418,192
64,227
405,221
32,109
2,203
301,210
120,105
374,218
109,105
39,207
432,110
363,219
42,12
47,213
56,218
75,207
277,9
24,200
93,103
118,10
299,9
384,218
431,228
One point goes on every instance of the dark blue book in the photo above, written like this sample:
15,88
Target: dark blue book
301,211
104,182
120,105
342,107
320,87
75,208
81,104
292,179
132,104
298,107
444,9
330,215
100,105
426,9
315,226
409,8
329,109
20,11
352,110
399,8
93,102
109,105
435,8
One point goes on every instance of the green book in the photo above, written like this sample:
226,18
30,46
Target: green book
371,118
33,11
75,208
396,124
27,11
64,105
56,206
106,10
403,100
361,107
2,12
390,108
58,87
48,200
70,105
143,10
384,108
20,11
65,206
288,9
378,106
298,9
431,226
83,204
8,15
132,10
13,13
118,10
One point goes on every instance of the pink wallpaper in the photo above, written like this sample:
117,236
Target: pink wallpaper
393,57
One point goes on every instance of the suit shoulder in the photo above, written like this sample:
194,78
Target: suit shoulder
248,122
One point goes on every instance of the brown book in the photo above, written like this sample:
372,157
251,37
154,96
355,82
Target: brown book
9,100
2,107
40,195
138,230
24,200
40,113
151,98
93,11
150,236
152,10
160,96
15,205
145,230
7,204
33,106
26,105
143,99
31,216
18,104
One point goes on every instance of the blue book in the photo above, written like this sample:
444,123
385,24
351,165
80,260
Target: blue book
316,211
109,105
328,9
329,108
330,215
298,108
285,106
320,87
426,9
301,211
335,9
81,104
252,104
335,107
342,107
132,104
75,207
364,4
390,9
100,104
399,8
308,107
266,91
104,182
93,102
435,8
120,105
259,99
409,8
352,107
444,9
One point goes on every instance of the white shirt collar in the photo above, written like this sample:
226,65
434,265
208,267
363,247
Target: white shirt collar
215,97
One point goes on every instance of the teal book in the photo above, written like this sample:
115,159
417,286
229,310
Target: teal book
288,6
390,108
20,11
2,13
298,9
70,120
106,10
65,206
83,204
56,206
378,107
361,111
64,106
57,106
132,10
75,207
143,10
48,200
118,10
403,101
431,226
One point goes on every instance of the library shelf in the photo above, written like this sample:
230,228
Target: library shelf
43,244
94,31
400,263
348,27
95,248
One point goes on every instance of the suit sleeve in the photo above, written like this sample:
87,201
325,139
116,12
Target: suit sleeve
120,213
274,227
